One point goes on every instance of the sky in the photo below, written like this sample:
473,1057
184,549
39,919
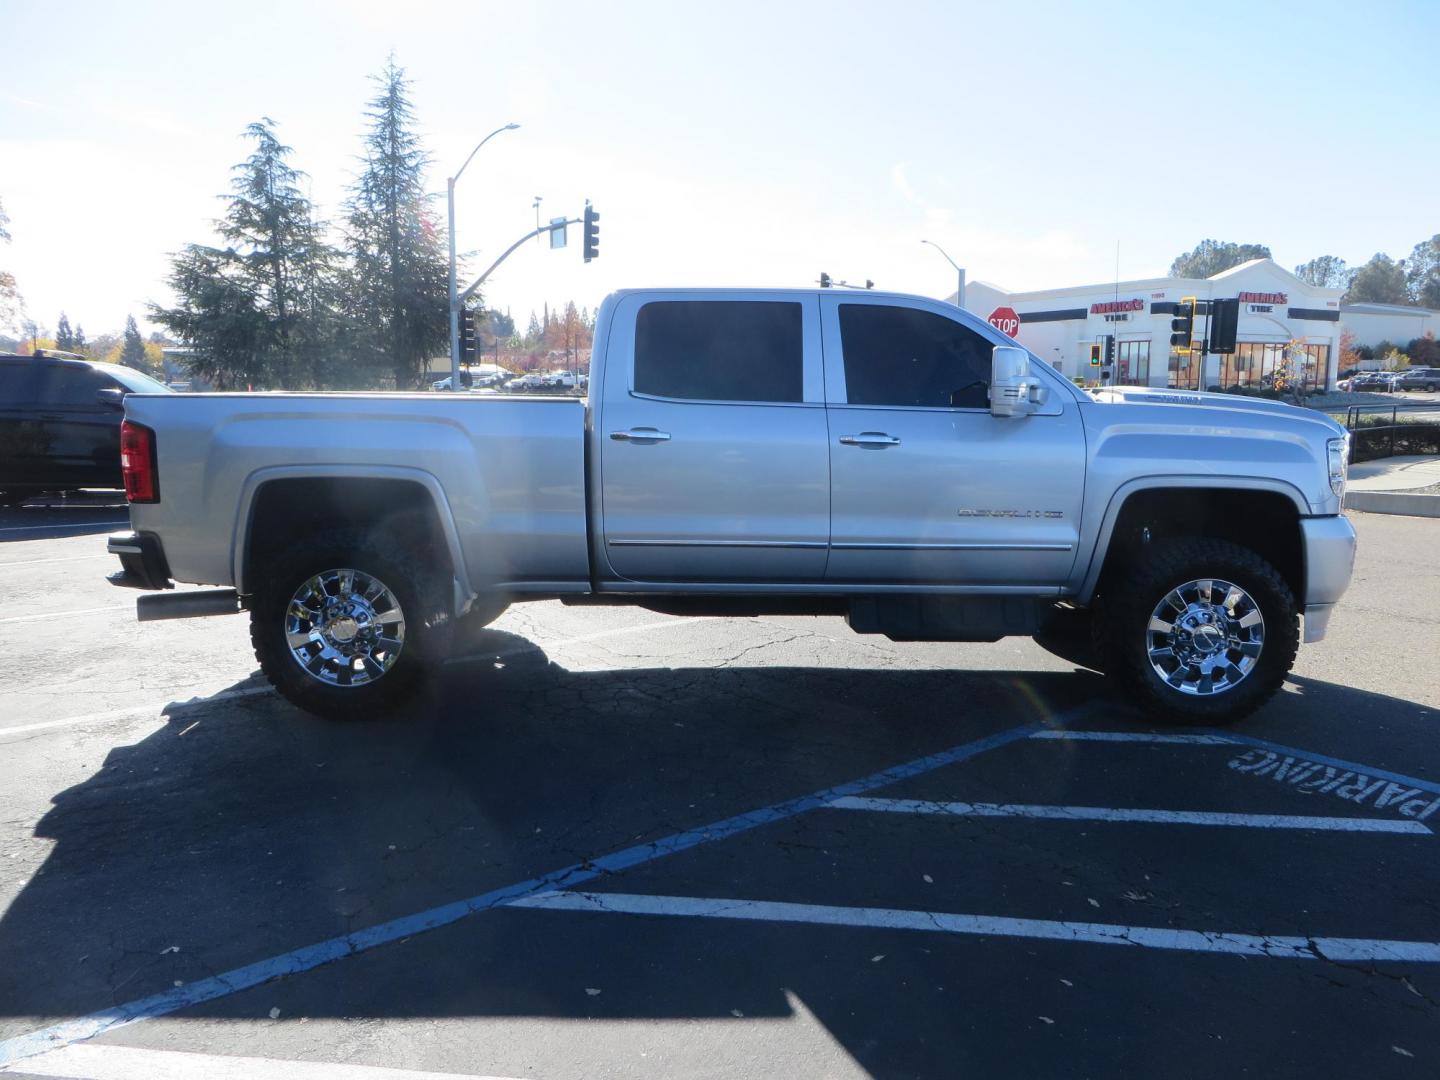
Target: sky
737,143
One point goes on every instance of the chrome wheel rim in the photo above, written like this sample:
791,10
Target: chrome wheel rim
1205,637
344,627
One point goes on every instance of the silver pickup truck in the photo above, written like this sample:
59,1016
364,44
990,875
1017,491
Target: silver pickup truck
886,458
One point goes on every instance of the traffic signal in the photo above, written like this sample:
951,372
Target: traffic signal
1224,325
467,337
1182,327
592,233
824,280
1109,350
1096,352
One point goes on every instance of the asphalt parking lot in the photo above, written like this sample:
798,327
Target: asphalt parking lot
611,843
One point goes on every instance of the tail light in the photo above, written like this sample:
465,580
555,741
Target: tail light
137,463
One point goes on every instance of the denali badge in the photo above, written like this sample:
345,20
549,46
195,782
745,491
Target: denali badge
1013,513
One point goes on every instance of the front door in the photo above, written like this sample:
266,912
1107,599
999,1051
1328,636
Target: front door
712,440
927,486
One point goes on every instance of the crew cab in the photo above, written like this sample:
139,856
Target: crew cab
888,458
60,422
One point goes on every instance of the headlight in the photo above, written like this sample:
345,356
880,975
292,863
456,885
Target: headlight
1339,455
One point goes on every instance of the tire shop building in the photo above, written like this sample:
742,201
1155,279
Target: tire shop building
1280,319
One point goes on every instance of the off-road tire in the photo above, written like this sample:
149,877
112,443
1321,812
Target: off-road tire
1130,595
421,598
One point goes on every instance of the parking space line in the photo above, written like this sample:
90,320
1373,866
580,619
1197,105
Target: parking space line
1132,736
1362,950
111,1062
309,957
135,710
47,562
1101,813
71,525
62,614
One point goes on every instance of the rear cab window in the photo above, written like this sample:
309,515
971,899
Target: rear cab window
720,350
17,382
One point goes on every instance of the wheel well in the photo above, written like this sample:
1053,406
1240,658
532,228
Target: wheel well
1264,521
285,511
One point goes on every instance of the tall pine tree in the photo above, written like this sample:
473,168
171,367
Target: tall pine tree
64,336
400,291
132,349
261,310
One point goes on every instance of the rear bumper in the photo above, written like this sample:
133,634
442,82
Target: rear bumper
142,561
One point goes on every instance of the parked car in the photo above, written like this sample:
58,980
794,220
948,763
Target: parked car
1369,381
729,463
1427,379
60,420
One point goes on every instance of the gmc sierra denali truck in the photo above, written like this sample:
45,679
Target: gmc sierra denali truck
889,458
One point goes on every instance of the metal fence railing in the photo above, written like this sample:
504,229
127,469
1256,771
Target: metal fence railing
1408,422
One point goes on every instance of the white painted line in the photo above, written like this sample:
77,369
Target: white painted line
63,614
72,525
1133,736
106,1062
152,709
1160,817
45,562
1149,937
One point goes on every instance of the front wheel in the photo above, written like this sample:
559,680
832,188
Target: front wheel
1199,631
345,625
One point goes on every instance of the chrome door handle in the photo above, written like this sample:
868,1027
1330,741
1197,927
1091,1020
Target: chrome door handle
869,438
641,434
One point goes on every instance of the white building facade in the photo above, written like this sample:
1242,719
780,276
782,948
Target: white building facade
1281,318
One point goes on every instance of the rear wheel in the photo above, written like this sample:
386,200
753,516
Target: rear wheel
1199,631
345,626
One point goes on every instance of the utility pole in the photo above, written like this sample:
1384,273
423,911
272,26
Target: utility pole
455,299
959,272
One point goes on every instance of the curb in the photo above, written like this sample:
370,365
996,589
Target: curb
1393,502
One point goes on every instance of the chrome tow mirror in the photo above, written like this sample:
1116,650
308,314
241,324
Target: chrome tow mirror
1013,390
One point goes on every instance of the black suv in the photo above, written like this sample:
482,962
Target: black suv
60,422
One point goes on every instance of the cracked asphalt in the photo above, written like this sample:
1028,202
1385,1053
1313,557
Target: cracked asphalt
165,819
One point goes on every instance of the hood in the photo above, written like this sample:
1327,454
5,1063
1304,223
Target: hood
1159,395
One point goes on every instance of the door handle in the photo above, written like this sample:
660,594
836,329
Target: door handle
641,434
877,439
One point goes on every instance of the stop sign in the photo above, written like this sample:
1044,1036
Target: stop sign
1005,320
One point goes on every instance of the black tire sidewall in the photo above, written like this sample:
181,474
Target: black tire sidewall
426,624
1166,564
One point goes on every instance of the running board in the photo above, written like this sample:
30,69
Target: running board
186,605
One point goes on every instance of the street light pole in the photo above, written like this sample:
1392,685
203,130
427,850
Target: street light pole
454,288
960,290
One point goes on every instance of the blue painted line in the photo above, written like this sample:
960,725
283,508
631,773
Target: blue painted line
309,957
1431,786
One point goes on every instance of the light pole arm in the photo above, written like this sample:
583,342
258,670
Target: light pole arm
959,271
511,250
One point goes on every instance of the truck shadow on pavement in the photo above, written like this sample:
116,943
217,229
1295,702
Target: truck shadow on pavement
245,829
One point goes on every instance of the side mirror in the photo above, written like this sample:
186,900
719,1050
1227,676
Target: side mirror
1013,391
112,397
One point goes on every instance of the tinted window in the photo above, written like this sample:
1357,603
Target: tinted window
137,382
719,350
16,383
900,356
61,384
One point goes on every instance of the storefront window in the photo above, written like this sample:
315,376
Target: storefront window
1254,364
1184,370
1132,363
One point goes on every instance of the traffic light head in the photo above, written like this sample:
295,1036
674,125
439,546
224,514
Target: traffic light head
1095,353
467,336
824,280
1182,327
1109,350
592,233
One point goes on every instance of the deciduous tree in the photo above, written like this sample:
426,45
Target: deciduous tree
1422,273
1324,272
1211,257
1379,281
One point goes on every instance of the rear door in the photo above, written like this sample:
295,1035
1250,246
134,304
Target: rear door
713,457
21,446
81,436
927,486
